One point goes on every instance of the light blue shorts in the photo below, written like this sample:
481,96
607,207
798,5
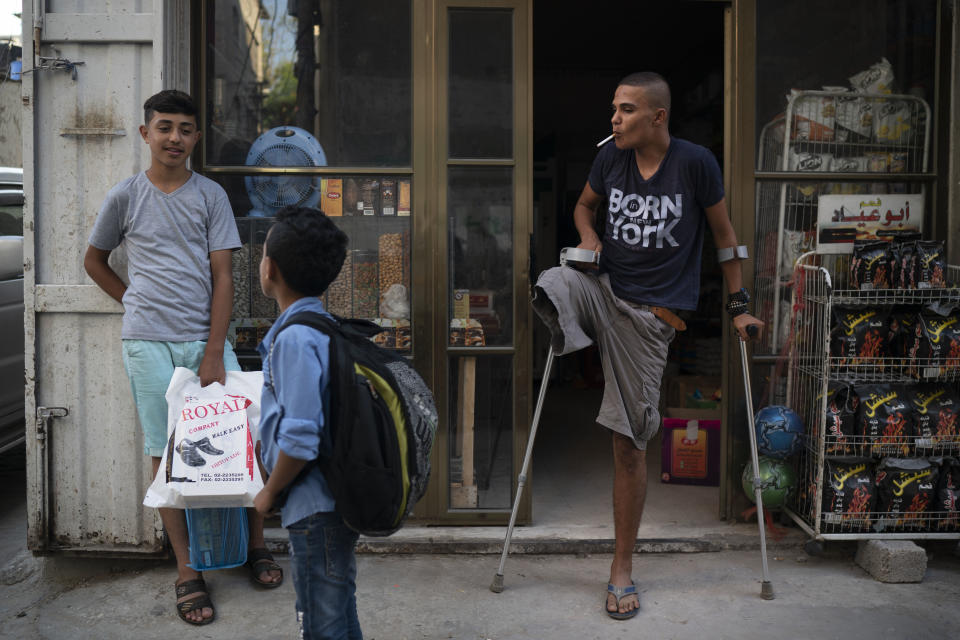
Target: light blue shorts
150,365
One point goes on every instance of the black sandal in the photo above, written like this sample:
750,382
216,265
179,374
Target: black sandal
195,603
261,561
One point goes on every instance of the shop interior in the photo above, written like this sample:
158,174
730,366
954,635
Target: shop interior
577,64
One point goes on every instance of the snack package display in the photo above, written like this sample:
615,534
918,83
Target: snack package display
807,161
936,408
905,276
936,343
840,418
209,460
901,336
894,123
947,505
877,79
928,265
870,266
884,420
854,119
814,116
857,164
849,493
906,490
901,243
859,336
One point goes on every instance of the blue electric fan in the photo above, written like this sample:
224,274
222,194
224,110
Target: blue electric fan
283,147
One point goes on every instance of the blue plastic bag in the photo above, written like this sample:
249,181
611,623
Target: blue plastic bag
218,537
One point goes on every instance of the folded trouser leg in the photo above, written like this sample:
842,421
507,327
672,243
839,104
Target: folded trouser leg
580,309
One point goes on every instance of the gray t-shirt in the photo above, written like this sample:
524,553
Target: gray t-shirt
168,239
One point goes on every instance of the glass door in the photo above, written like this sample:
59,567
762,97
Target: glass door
484,173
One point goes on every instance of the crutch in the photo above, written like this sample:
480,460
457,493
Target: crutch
766,587
497,585
566,255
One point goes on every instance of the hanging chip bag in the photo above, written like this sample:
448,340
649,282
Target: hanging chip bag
849,493
210,459
906,489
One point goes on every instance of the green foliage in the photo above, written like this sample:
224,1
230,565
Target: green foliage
280,100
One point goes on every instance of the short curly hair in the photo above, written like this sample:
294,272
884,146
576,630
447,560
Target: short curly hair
307,248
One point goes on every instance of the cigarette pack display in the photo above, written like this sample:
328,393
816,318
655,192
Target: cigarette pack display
331,202
351,196
368,202
388,197
403,197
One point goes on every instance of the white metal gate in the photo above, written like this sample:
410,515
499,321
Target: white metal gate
92,66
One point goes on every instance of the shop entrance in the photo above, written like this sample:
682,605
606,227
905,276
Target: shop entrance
577,63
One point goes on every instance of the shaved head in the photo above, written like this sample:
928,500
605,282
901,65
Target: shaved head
655,88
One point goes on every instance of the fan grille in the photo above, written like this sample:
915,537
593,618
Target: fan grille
281,190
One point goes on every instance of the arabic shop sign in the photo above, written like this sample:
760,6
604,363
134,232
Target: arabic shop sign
843,219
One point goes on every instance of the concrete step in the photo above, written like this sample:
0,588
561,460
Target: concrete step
573,539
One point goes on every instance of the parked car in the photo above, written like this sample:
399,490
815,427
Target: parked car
12,379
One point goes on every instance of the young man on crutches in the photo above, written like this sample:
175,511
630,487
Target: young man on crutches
661,191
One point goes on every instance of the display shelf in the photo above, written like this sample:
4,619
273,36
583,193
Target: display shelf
851,138
823,388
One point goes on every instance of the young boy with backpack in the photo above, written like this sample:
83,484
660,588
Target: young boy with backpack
302,255
178,230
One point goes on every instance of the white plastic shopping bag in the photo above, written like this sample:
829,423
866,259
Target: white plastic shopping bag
210,459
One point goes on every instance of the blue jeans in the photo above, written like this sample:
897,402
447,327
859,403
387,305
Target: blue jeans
324,571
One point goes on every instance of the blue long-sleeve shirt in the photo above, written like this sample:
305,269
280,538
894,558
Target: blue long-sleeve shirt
293,416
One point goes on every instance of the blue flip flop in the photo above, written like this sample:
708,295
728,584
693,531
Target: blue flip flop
620,593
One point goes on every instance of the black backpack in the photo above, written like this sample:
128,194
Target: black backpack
382,422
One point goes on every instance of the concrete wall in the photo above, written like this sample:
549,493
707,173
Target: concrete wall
11,145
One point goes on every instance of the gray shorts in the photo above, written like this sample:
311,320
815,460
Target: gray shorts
580,309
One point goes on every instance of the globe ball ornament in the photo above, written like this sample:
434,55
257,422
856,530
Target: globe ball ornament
778,481
779,431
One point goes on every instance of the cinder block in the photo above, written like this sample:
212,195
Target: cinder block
892,560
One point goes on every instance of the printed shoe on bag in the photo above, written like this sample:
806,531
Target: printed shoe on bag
188,453
204,445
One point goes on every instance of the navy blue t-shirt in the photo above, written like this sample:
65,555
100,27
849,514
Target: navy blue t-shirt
654,230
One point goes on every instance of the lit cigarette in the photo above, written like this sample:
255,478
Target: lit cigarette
605,140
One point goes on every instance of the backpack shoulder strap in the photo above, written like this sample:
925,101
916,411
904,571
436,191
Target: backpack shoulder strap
311,319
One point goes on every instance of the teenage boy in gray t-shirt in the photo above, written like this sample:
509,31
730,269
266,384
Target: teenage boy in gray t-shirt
179,233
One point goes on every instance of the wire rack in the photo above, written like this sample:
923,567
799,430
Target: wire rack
852,134
810,373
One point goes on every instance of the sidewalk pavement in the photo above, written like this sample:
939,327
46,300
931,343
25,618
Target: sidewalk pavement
699,596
